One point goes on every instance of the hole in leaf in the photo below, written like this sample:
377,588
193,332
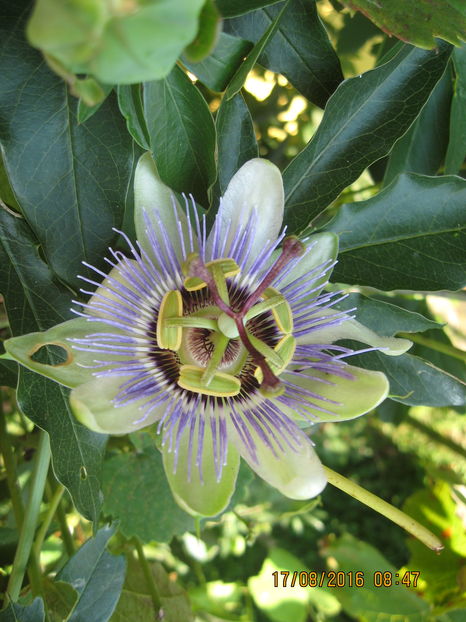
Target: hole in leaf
83,473
51,354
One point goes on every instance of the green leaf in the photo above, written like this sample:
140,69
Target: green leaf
182,134
362,120
236,140
300,49
230,8
60,598
422,148
97,576
206,38
240,76
219,67
385,318
409,236
430,19
368,602
69,179
130,102
136,602
85,111
35,301
456,151
8,374
138,496
415,381
17,613
120,43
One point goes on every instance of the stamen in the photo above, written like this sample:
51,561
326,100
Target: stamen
220,385
169,337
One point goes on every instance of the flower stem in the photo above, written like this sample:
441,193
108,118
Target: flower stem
151,585
52,508
37,485
384,508
445,348
10,468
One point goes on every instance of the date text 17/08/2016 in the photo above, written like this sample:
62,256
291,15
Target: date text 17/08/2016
333,578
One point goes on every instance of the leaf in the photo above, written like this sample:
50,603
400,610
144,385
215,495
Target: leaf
300,49
236,140
409,236
136,603
413,380
97,576
385,318
207,34
69,179
456,151
60,598
240,76
130,103
419,27
182,134
219,67
17,613
138,496
85,111
8,374
368,602
362,120
35,301
230,8
422,148
119,44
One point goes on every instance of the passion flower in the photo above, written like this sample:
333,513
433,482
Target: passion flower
225,340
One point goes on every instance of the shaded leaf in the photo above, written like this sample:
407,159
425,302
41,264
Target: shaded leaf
137,494
300,49
430,19
86,111
236,140
422,149
362,120
130,102
35,301
17,613
219,67
60,598
8,374
69,179
182,134
97,576
368,602
456,152
409,236
230,8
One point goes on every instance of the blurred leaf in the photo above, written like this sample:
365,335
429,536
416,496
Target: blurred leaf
230,8
60,598
456,151
422,148
240,76
300,49
372,603
429,20
8,373
69,179
182,134
119,42
236,140
219,67
209,26
138,495
17,613
97,576
415,381
440,574
136,603
409,236
130,103
86,111
362,120
35,301
218,598
385,318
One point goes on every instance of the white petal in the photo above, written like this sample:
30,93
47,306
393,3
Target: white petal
256,187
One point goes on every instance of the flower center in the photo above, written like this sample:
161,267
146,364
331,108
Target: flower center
215,343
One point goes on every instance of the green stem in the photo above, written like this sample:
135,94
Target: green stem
37,485
384,508
52,508
10,468
444,348
151,585
65,532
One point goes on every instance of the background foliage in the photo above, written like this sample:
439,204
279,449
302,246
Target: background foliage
370,133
